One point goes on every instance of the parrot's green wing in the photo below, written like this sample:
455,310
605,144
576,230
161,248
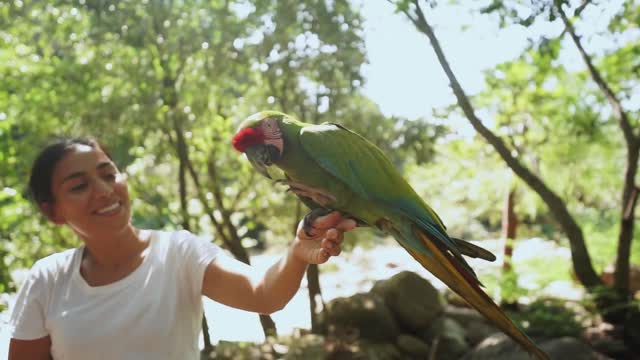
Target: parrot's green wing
367,171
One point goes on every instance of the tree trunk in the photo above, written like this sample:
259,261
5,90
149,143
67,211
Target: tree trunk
629,191
226,230
183,159
581,260
170,97
509,227
208,346
316,304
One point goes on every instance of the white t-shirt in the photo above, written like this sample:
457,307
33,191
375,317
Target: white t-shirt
153,313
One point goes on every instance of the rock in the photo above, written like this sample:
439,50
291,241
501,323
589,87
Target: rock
412,299
452,298
444,325
448,337
364,350
363,315
476,331
476,326
413,346
379,351
463,315
570,348
500,347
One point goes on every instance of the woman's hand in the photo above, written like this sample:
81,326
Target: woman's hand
326,237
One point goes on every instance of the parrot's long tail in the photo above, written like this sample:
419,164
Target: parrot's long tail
445,266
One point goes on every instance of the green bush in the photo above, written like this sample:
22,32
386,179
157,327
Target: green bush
548,318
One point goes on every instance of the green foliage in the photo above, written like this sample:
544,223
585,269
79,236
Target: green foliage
560,126
141,75
548,318
627,18
556,268
138,74
605,301
465,186
510,291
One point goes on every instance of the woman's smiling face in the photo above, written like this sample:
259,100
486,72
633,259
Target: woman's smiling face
90,194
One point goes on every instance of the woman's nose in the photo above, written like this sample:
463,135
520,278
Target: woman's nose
103,187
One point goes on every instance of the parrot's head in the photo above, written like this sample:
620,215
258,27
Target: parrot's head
260,138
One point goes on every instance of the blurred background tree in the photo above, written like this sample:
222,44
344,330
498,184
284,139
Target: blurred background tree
164,84
557,129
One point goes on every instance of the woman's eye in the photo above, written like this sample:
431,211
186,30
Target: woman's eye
79,187
110,177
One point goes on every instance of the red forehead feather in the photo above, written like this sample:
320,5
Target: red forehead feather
247,137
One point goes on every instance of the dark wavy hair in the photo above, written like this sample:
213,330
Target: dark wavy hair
46,161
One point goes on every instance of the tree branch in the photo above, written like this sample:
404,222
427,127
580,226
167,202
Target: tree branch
618,111
629,209
581,259
629,190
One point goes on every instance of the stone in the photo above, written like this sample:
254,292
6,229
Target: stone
448,337
476,331
362,315
500,347
413,346
380,351
412,299
463,314
570,348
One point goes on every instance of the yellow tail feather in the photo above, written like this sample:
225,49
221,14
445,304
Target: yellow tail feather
443,266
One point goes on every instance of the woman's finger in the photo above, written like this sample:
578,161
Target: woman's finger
332,234
346,224
335,251
323,256
327,221
332,246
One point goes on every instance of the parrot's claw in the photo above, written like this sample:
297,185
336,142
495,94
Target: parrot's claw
307,222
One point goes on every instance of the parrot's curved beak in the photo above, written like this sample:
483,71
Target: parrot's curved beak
262,156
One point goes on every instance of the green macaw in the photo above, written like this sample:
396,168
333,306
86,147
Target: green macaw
330,167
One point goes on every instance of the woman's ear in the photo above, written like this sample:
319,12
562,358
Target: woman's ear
49,211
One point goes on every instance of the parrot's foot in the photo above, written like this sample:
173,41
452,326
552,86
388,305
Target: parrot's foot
318,196
307,222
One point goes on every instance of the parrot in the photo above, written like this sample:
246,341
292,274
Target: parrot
332,168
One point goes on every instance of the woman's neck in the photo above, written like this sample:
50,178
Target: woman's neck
116,250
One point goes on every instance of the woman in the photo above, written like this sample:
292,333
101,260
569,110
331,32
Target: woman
131,293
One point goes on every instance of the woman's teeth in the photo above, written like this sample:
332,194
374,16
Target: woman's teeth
108,208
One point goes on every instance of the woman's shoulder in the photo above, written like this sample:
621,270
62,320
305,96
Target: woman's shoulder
57,260
54,265
169,241
173,237
180,241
